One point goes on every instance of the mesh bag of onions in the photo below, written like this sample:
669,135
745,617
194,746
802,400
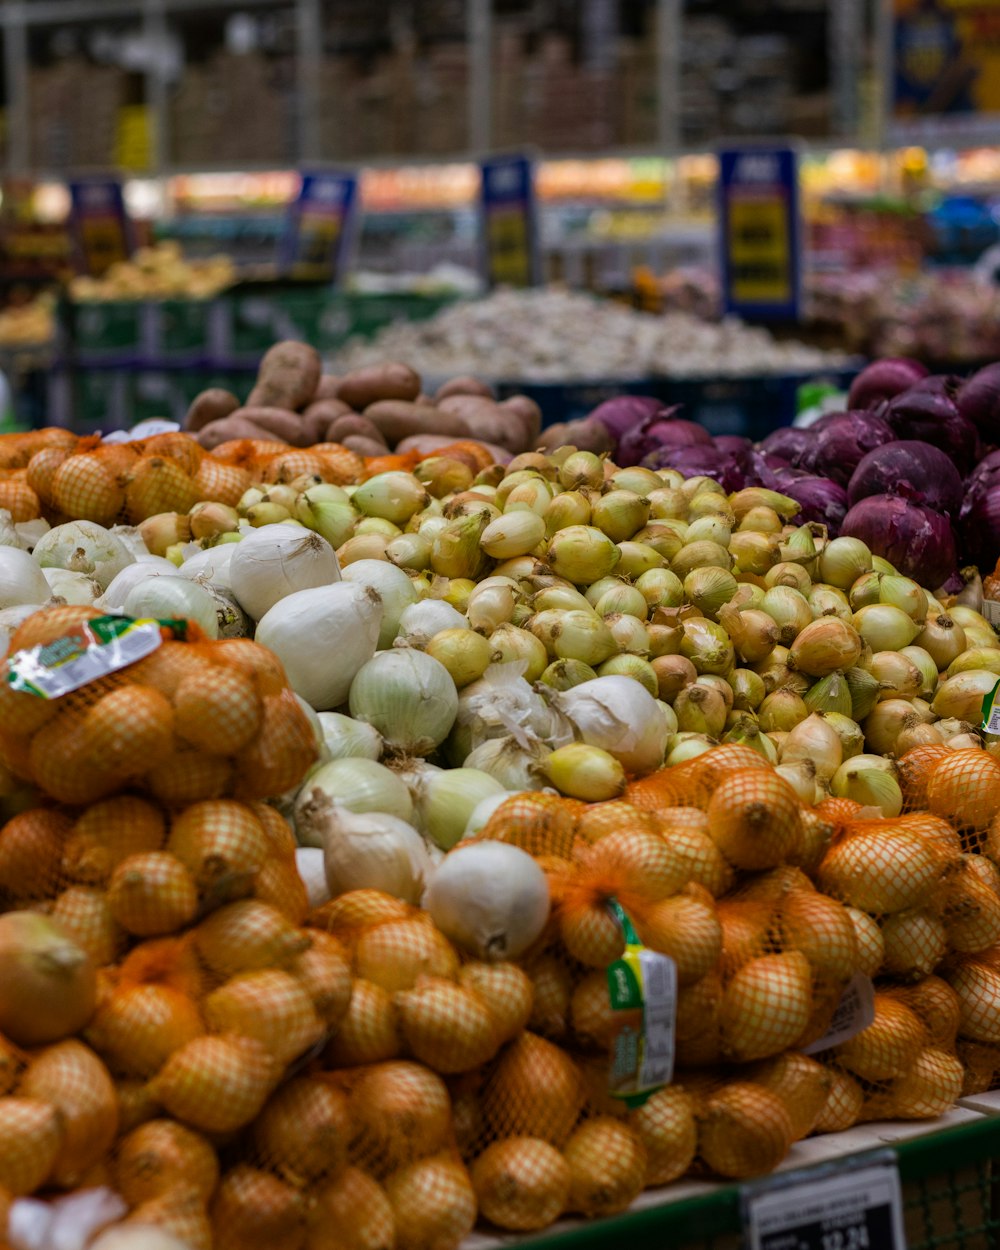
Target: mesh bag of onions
190,720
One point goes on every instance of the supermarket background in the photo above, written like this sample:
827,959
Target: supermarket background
312,168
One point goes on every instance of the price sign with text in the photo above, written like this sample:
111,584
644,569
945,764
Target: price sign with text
509,227
850,1205
318,227
101,228
760,232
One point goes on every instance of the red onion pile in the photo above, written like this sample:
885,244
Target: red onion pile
908,468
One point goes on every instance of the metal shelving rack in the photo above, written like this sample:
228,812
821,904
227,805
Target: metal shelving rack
846,23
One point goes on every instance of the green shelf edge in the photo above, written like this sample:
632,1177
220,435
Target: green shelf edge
716,1214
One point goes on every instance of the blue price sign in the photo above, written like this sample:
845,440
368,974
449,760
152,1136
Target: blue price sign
509,222
101,229
760,232
318,228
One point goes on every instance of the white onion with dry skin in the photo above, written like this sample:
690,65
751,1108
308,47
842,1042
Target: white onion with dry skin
491,898
620,716
372,851
275,561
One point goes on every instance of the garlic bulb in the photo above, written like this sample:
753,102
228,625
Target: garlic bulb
491,898
373,851
620,716
275,561
323,636
515,766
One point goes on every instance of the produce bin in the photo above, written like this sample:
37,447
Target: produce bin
749,406
951,1199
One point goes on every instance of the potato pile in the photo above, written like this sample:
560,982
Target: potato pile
371,410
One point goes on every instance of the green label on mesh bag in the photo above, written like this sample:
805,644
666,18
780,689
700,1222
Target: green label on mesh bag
642,988
89,650
991,711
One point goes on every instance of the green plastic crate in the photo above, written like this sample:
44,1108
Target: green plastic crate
950,1202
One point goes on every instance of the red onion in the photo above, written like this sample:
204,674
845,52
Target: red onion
979,526
698,460
787,442
660,429
819,498
621,413
841,443
932,417
915,540
882,379
733,444
912,470
979,400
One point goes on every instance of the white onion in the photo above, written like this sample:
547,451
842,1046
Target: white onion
84,547
347,738
21,580
113,599
166,598
514,766
354,785
231,620
69,1222
484,810
9,537
370,850
446,798
309,861
421,621
491,898
10,618
315,725
621,717
275,561
395,589
132,538
323,636
29,532
211,565
408,696
70,587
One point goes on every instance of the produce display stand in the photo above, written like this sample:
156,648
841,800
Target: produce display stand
948,1169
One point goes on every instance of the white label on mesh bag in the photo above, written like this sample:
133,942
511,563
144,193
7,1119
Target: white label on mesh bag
854,1013
991,711
991,610
91,650
659,976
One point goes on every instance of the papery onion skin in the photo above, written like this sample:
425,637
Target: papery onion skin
918,542
883,379
931,416
912,470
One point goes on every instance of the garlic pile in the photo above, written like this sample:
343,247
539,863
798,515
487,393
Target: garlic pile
551,335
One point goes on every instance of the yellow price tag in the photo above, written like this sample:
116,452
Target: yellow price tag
507,234
759,256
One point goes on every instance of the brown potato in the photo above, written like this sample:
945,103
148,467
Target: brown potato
427,444
529,411
489,422
464,385
330,408
327,387
391,380
366,447
278,422
579,434
397,419
229,429
353,426
287,378
211,405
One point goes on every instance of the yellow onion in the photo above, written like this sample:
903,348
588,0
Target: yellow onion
871,781
843,560
623,598
869,941
942,638
700,709
824,646
512,644
754,632
673,673
585,772
791,576
698,555
888,1047
620,513
752,552
465,654
521,1183
574,635
813,739
761,520
748,690
565,674
667,503
630,634
987,658
566,509
514,533
852,740
607,1163
744,1130
925,665
864,689
533,496
706,645
829,601
886,722
789,610
884,627
582,554
710,528
660,588
882,870
637,558
48,987
905,594
30,1139
766,1006
830,694
781,710
635,667
961,697
664,537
